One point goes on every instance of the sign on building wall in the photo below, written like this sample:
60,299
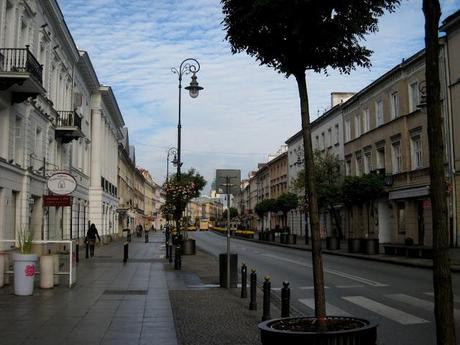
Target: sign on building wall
57,200
62,184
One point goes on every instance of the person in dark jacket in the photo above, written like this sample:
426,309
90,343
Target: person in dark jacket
91,238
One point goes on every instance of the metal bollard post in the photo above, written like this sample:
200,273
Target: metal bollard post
244,281
77,253
177,258
167,249
146,237
253,291
87,250
285,298
170,253
125,251
266,304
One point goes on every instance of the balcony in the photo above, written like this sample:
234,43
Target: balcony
21,73
68,126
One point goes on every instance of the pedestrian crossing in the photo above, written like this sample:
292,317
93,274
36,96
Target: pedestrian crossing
388,307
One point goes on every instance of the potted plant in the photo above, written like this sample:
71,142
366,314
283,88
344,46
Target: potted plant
24,265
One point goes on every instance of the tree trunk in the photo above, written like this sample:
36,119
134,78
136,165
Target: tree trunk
442,281
310,194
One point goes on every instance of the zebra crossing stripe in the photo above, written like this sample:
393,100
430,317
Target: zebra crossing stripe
330,309
418,302
393,314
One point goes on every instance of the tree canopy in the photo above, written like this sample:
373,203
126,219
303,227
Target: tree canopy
294,36
233,213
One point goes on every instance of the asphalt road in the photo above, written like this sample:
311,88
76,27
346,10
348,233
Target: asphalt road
398,298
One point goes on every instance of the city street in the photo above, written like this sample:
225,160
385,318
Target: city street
399,298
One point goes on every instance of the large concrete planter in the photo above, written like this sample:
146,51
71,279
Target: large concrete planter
332,243
371,246
354,245
291,239
24,273
364,334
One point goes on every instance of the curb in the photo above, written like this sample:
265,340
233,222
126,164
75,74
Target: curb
427,265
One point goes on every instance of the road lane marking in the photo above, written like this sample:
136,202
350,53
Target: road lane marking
396,315
330,271
330,309
418,302
456,298
349,286
310,287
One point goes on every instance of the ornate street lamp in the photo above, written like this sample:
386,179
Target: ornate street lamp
187,66
171,151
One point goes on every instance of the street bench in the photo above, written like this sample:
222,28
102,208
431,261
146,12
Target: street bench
411,251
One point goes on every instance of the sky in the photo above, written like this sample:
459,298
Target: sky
246,111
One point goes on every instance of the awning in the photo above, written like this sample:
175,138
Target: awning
409,193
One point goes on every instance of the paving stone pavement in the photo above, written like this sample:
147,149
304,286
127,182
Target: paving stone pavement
144,301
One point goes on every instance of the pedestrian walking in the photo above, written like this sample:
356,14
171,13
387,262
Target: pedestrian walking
91,238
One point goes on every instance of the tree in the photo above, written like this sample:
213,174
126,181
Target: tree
180,191
442,280
328,182
233,213
293,37
263,207
286,202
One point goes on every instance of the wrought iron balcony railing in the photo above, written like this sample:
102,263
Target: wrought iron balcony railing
68,119
20,60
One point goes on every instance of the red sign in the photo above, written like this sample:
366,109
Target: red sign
57,200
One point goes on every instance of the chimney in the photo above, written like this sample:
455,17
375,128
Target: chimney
340,97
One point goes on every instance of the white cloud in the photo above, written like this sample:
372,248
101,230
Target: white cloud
245,111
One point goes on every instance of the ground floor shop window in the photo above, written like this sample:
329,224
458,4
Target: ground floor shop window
401,209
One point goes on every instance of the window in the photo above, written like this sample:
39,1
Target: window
394,105
416,149
359,165
329,137
347,130
413,96
323,141
368,162
348,167
18,142
401,218
357,125
381,158
366,121
337,135
379,113
317,142
396,157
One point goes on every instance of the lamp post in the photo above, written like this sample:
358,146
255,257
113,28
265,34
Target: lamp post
173,151
187,66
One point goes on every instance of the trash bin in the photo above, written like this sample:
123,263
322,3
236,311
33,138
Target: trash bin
188,247
233,270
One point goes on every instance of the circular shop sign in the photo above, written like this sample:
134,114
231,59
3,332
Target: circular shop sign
62,183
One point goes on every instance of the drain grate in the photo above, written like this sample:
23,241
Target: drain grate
125,292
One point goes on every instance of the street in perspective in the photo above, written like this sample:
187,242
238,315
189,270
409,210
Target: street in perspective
229,172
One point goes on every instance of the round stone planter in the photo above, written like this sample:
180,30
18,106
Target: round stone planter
371,246
24,273
271,237
354,245
291,239
283,237
188,247
332,243
364,333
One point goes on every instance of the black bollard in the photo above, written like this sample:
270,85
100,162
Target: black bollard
170,253
77,253
244,281
167,249
177,258
285,298
86,249
266,303
253,291
125,251
146,237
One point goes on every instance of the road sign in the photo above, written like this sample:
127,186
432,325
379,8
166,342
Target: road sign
234,178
